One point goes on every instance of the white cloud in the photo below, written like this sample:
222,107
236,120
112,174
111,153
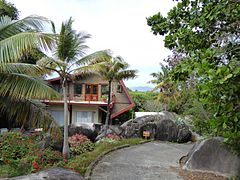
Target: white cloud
119,25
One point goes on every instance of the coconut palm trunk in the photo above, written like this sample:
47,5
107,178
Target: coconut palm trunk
65,138
108,118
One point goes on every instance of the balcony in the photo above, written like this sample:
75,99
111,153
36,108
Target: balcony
79,99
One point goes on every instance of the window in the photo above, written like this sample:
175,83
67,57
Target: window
58,117
94,89
88,89
78,89
83,117
91,89
119,88
104,89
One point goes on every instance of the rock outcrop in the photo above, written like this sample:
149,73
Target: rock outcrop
161,127
212,155
51,174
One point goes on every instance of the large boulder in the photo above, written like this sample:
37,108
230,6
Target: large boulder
133,126
51,174
166,130
212,155
161,127
83,129
150,127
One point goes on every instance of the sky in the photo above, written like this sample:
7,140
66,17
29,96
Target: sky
119,25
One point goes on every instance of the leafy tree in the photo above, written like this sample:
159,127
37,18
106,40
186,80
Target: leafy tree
8,9
111,69
207,32
20,83
143,99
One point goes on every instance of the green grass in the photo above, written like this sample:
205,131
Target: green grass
80,163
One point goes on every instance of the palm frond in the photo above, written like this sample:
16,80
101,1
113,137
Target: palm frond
70,44
13,48
21,86
52,64
96,57
126,74
22,68
30,112
10,27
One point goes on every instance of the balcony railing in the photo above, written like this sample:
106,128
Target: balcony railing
80,97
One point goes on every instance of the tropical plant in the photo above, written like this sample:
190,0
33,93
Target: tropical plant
79,144
20,83
141,99
167,89
111,69
207,32
22,154
66,62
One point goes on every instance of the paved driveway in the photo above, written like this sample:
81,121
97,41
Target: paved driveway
143,162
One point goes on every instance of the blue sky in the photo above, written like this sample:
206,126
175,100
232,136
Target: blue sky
119,25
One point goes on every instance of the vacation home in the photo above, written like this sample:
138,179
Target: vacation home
87,99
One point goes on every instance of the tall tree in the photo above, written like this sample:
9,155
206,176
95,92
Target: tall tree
111,69
66,62
21,82
167,89
207,32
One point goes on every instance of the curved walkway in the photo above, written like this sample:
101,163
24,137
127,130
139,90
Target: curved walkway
143,162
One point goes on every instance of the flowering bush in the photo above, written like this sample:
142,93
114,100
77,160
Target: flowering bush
79,144
23,154
46,158
14,146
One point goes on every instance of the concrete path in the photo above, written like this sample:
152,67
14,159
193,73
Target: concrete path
150,161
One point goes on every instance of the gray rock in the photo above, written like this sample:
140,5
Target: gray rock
212,155
161,127
166,130
51,174
151,128
184,134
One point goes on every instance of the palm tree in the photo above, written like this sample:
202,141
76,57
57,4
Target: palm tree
21,82
165,85
67,60
111,69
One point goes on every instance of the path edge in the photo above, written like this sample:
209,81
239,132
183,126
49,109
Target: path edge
90,168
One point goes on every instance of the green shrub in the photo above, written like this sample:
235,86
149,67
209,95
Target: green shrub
80,144
21,154
14,146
